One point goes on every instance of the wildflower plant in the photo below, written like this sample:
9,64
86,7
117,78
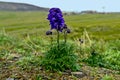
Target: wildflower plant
60,56
57,22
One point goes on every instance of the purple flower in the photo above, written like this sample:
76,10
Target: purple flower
56,19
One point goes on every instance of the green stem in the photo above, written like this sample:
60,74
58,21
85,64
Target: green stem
58,38
65,36
51,40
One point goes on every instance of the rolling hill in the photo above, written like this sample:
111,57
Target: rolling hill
11,6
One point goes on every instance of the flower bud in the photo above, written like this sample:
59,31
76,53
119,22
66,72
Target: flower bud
68,31
65,26
81,41
49,32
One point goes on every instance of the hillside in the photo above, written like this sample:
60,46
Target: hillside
10,6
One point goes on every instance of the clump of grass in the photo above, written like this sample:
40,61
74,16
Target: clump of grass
104,54
6,40
107,77
112,58
6,45
29,62
62,59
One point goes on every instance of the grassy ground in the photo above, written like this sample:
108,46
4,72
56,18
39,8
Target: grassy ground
23,43
105,26
21,59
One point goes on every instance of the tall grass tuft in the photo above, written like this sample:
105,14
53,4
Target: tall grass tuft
60,59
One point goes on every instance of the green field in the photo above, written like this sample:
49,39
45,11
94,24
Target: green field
104,26
24,46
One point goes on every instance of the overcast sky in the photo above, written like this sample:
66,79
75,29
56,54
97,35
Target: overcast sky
76,5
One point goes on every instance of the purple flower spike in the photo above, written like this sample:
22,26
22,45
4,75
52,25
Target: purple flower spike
56,19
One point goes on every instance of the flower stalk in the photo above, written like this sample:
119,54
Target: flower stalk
58,35
57,22
65,36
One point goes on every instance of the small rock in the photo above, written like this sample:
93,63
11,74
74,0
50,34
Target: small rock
78,74
10,79
15,58
65,73
68,71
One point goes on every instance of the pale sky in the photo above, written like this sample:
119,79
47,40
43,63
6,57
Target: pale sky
76,5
